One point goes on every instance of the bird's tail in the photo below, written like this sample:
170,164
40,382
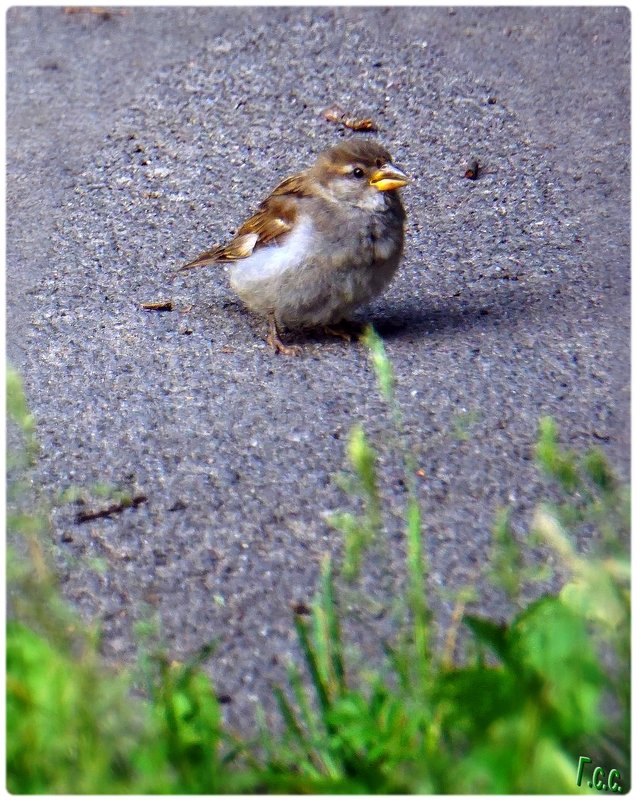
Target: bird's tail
211,256
239,248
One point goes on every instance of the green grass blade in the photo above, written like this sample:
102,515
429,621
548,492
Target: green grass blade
381,364
312,661
333,624
289,717
300,695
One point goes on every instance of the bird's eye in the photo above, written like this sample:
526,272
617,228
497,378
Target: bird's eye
357,172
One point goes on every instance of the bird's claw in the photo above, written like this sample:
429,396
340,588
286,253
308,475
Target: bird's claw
274,341
287,350
347,330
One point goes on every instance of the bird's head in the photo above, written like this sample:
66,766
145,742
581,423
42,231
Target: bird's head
358,172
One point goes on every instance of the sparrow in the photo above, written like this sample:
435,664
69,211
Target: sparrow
323,243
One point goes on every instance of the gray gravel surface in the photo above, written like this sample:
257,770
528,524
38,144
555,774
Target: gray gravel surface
137,140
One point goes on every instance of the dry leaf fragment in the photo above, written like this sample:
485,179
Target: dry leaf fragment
158,305
336,114
112,509
105,13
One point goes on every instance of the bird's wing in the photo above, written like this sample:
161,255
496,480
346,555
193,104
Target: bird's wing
238,248
274,218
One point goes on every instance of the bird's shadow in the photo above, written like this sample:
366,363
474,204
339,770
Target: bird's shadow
479,307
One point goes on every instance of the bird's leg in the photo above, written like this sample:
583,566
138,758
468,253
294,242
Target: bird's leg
346,329
274,339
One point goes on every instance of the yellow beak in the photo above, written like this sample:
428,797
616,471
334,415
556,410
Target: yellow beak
388,177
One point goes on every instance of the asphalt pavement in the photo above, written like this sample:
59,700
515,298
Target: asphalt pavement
138,138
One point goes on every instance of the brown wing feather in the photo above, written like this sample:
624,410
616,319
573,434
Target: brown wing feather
274,218
238,248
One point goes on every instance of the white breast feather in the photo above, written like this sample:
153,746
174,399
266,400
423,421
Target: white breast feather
274,259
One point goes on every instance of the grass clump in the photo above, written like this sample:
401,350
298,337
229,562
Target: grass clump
529,698
74,725
518,713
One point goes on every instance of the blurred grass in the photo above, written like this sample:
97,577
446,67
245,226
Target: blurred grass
530,696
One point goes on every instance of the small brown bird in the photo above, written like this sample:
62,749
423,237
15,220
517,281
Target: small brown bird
324,242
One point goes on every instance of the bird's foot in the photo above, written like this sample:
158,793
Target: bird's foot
274,341
346,330
279,347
